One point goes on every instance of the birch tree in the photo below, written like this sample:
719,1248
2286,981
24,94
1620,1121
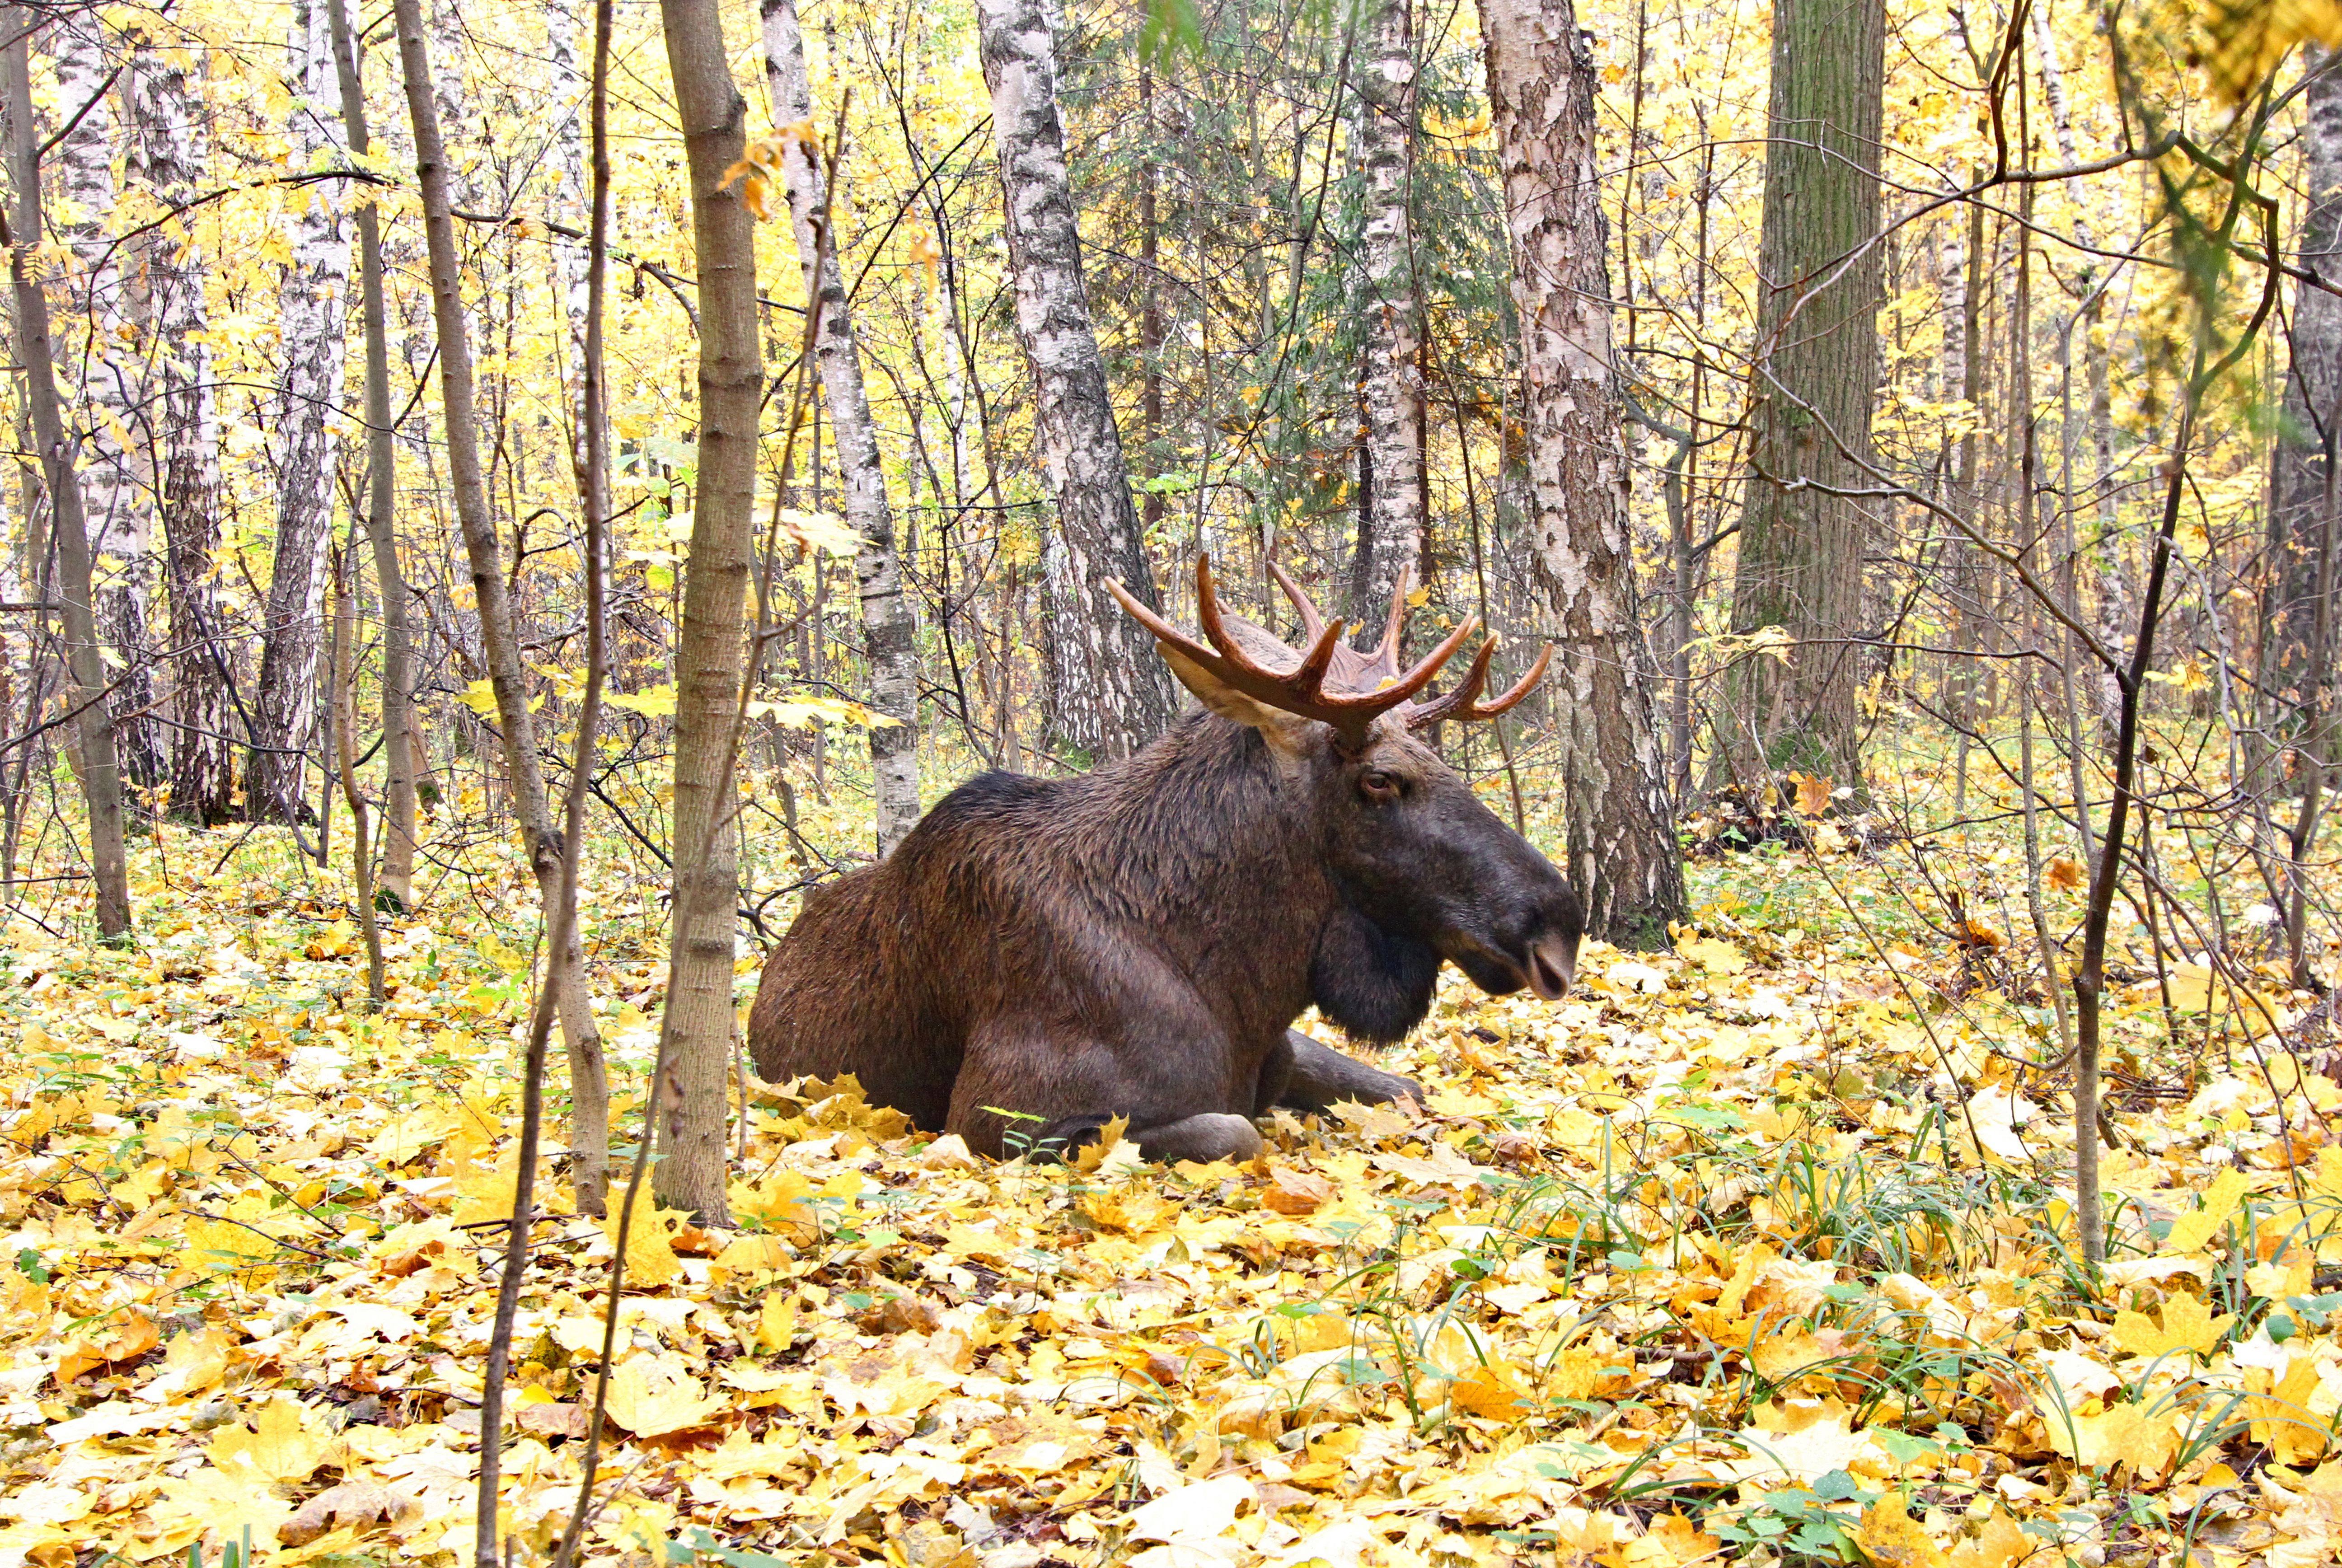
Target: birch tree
103,366
1110,694
1390,507
710,660
312,307
93,728
1622,849
1814,379
167,153
886,626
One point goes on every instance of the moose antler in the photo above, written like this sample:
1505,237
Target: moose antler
1367,671
1464,705
1301,689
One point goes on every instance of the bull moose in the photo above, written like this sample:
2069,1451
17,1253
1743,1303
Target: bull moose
1038,956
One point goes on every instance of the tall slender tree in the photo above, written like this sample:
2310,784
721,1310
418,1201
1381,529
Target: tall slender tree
1622,848
2307,439
698,1026
93,727
466,480
168,153
108,375
398,824
1109,694
1815,374
313,309
886,627
1382,140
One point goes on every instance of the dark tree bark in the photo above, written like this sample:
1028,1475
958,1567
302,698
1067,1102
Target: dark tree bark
167,153
1110,694
93,729
2306,440
1817,370
710,658
1622,849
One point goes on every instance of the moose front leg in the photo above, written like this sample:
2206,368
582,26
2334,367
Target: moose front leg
1317,1077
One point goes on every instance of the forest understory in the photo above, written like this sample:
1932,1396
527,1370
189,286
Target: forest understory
1762,1250
509,505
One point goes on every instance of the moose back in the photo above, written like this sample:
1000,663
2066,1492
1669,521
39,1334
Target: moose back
1039,957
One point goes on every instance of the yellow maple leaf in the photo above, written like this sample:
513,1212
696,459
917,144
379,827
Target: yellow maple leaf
222,1506
2282,1417
1716,956
650,1245
277,1445
778,1203
650,1395
2187,1326
2191,1231
1490,1392
1891,1538
2126,1434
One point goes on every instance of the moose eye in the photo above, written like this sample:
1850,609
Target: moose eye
1379,785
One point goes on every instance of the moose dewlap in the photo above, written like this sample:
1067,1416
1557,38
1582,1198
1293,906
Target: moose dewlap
1039,957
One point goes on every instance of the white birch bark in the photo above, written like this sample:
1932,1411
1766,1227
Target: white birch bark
1390,519
99,340
1110,693
1622,849
167,153
886,626
312,307
569,87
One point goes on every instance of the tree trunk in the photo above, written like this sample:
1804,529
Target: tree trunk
710,660
398,876
886,617
93,728
1622,849
167,155
2313,394
1110,694
1801,550
1390,516
312,307
588,1088
108,375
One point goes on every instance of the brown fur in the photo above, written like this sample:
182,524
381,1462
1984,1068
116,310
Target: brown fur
1135,941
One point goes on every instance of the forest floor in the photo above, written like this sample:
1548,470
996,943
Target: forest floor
1761,1251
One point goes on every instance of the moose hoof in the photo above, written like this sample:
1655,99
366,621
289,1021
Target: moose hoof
1214,1136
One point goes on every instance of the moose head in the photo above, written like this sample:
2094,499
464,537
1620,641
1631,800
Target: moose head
1413,852
1039,957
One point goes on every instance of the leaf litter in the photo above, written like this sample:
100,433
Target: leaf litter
1760,1251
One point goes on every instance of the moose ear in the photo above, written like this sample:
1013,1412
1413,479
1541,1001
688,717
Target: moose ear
1275,725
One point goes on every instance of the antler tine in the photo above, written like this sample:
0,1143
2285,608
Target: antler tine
1301,690
1386,650
1416,679
1292,689
1312,621
1463,703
